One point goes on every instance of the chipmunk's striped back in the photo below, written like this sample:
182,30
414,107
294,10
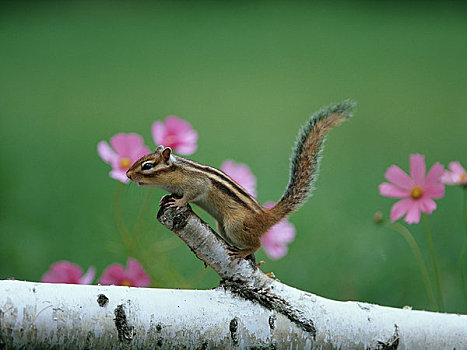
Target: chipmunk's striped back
224,183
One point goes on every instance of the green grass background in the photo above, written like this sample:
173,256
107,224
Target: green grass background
246,74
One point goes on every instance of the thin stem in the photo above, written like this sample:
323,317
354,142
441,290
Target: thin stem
464,251
435,263
121,227
416,251
138,227
161,269
461,269
465,208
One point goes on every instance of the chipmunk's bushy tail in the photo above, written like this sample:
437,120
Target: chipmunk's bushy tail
306,156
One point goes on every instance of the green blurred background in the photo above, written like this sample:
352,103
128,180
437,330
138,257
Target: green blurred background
246,74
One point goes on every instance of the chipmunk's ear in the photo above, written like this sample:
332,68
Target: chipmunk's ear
166,153
159,149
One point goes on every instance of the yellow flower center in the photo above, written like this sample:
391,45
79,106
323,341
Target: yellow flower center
416,192
463,177
125,163
126,283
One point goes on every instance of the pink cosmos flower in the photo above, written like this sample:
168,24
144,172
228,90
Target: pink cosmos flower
276,239
417,190
241,174
67,272
176,134
125,150
133,275
456,175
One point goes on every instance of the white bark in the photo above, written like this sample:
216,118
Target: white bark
249,310
41,315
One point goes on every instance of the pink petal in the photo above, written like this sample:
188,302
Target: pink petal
176,125
159,132
448,178
106,152
413,214
187,143
456,175
427,205
433,188
114,274
88,277
286,231
186,149
276,239
63,272
175,133
133,267
399,178
434,175
137,153
456,168
123,144
189,137
400,208
119,175
417,169
273,249
393,191
241,174
275,252
435,191
137,275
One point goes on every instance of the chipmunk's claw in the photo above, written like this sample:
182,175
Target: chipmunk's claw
176,203
239,254
234,254
169,201
165,200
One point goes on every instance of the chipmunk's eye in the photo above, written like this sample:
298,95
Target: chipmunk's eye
147,166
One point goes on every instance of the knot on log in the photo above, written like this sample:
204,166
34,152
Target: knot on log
267,298
175,219
125,332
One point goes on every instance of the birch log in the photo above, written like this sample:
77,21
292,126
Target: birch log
248,310
64,316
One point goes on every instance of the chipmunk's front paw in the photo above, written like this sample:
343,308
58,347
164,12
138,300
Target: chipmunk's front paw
165,200
175,203
170,201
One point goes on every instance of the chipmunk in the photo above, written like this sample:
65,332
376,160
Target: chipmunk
241,219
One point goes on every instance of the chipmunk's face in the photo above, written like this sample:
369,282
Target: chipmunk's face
149,169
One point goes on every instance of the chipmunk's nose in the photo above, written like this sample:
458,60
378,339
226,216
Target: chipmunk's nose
129,173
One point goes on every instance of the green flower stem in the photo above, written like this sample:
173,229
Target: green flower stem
138,227
461,269
121,227
464,251
435,263
416,251
465,208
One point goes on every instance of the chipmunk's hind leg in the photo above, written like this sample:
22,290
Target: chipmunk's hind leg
241,235
239,254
